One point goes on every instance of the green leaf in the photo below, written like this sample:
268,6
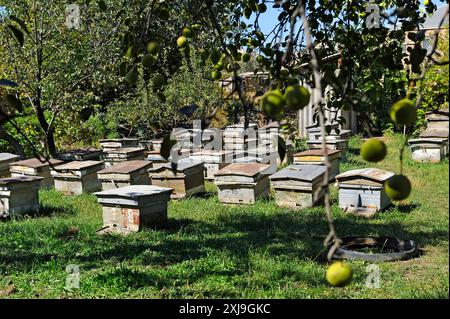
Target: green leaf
18,35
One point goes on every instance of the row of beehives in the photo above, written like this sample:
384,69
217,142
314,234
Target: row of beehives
129,202
432,144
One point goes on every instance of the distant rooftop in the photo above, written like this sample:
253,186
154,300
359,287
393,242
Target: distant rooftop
434,20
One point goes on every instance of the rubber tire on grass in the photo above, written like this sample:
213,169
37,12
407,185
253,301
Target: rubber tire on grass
403,249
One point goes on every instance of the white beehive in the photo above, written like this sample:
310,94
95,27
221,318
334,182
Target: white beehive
317,157
431,150
361,191
131,208
298,186
185,179
5,160
115,156
125,174
35,167
242,183
76,178
19,195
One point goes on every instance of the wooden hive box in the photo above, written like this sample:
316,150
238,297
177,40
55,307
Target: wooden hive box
77,177
242,183
234,138
298,186
213,161
361,191
156,158
156,144
131,208
83,154
115,143
340,145
125,174
19,195
5,160
115,156
316,157
431,150
186,179
35,167
438,120
434,134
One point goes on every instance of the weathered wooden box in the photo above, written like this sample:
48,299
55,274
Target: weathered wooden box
115,143
235,138
131,208
434,134
431,150
115,156
156,158
125,174
19,195
186,179
242,183
438,120
156,144
213,161
260,155
298,186
35,167
340,145
361,191
5,160
83,154
77,177
316,157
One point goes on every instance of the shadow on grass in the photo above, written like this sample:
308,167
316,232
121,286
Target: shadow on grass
285,235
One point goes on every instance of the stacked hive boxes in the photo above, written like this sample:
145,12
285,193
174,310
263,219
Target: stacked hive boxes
125,174
75,178
19,195
35,167
5,160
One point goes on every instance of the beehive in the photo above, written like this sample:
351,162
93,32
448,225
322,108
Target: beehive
5,160
19,195
125,174
213,161
131,208
431,150
115,156
260,155
111,144
234,137
84,154
242,183
156,158
433,134
35,167
438,121
340,145
156,144
298,186
316,157
186,179
76,178
361,191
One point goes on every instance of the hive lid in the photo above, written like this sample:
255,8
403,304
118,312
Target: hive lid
8,157
126,167
126,150
77,165
434,133
426,140
134,192
37,163
317,152
305,173
119,140
244,169
19,179
369,174
181,166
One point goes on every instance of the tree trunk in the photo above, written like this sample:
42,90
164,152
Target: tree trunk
18,149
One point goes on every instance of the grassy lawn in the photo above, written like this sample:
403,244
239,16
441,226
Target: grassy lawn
208,250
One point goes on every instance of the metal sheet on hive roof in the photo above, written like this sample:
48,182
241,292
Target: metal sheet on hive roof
77,165
306,173
371,174
37,163
244,169
8,156
19,179
316,152
126,167
134,192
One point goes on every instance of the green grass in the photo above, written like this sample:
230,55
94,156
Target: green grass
208,250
